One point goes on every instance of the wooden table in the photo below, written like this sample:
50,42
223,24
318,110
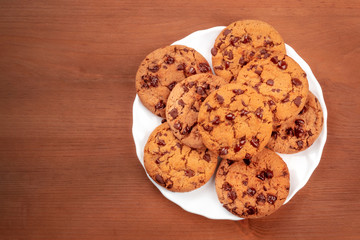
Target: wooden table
68,168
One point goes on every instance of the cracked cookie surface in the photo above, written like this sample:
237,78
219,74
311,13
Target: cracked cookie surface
161,70
253,189
235,122
299,133
174,165
184,103
281,81
242,41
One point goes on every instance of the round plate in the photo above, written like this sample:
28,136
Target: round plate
204,201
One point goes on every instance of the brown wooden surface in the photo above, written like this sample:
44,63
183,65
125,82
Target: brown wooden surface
68,168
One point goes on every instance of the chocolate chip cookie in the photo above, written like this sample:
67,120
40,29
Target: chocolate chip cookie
161,70
281,80
184,103
253,189
235,122
300,132
174,165
242,41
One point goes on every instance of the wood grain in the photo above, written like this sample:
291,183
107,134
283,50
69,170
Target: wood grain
68,168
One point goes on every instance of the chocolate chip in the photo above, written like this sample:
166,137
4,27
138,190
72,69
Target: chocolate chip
300,144
296,82
271,102
185,131
171,85
157,161
258,71
286,99
268,42
189,173
209,108
245,182
190,84
247,161
170,184
271,198
154,69
251,210
234,40
159,179
261,176
216,120
181,67
169,60
232,195
223,151
206,86
160,105
270,82
230,116
274,135
251,192
227,186
154,81
227,64
185,88
299,122
303,111
206,157
181,102
226,32
238,91
204,67
214,51
174,113
297,101
207,128
243,112
289,131
255,142
274,60
243,103
269,174
230,162
242,61
240,145
192,71
282,65
299,132
219,98
163,120
246,39
177,125
259,113
219,67
194,109
260,198
310,133
145,85
230,55
161,142
219,44
200,91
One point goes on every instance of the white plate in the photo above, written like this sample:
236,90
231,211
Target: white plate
204,201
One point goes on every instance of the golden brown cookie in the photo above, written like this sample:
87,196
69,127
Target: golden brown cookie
281,81
235,122
183,106
242,41
161,70
300,132
175,166
253,189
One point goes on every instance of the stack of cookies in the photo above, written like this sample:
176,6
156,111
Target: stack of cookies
257,103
